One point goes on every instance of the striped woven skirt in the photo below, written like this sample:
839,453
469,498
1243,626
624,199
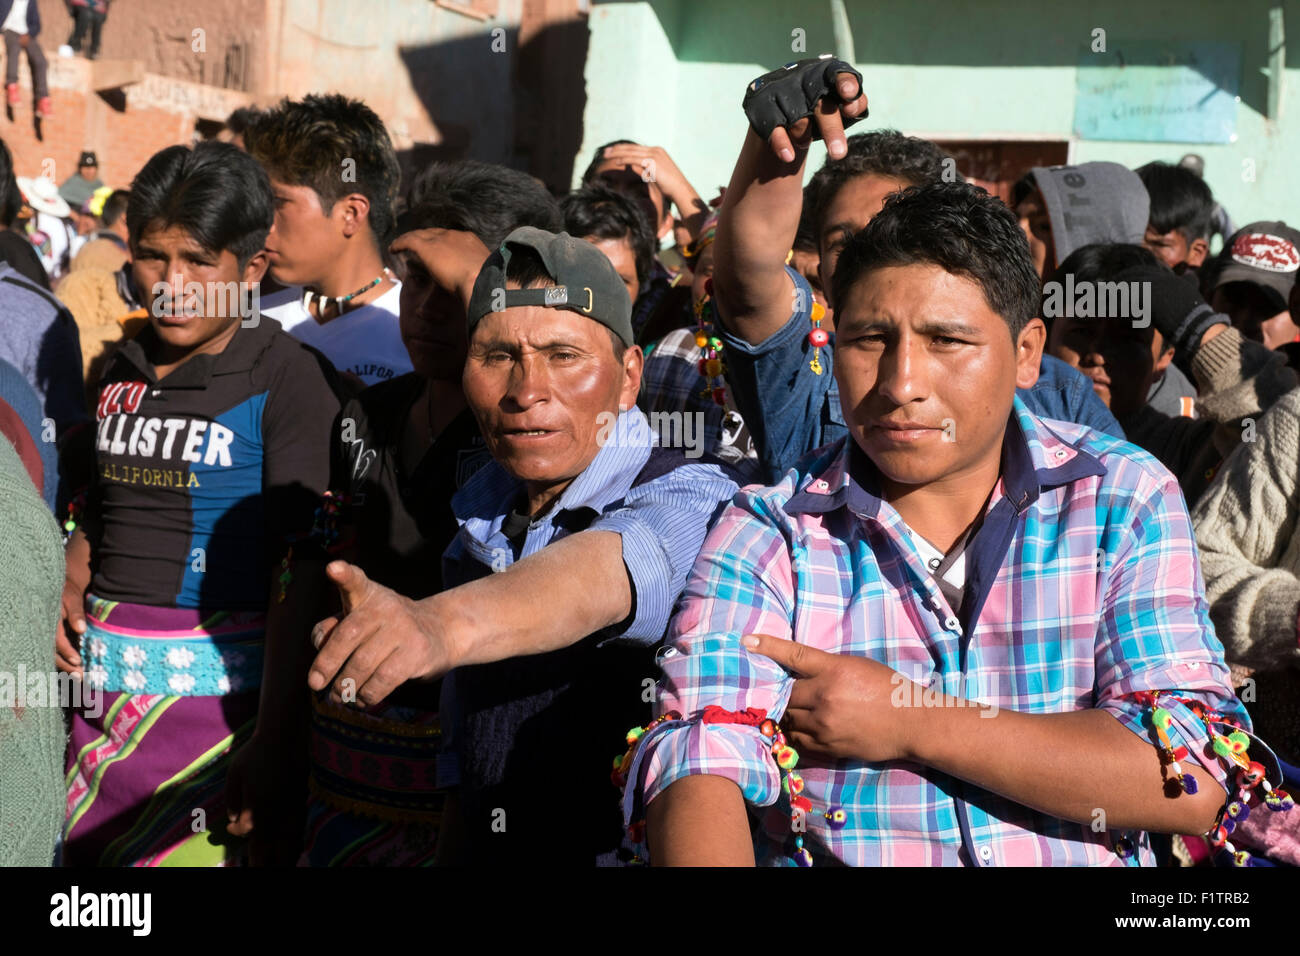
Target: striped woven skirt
378,784
148,755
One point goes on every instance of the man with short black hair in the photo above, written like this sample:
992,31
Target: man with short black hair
769,321
1182,208
956,621
648,176
335,177
617,227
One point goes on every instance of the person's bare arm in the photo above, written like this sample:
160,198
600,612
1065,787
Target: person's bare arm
760,216
536,605
1073,766
72,620
699,821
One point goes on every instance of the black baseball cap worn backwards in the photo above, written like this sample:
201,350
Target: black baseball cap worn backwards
585,281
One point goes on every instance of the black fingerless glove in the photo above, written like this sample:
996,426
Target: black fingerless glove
783,96
1177,310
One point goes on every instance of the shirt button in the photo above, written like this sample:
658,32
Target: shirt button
986,853
952,624
934,564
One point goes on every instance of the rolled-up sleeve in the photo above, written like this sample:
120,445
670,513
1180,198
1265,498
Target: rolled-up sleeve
663,524
783,402
741,584
1156,635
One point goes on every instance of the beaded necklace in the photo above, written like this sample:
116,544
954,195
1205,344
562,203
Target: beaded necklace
710,345
818,338
341,301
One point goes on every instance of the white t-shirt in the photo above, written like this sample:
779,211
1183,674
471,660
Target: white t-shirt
933,557
17,19
365,341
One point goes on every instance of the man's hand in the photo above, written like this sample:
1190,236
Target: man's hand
266,799
382,641
811,99
451,257
72,625
842,707
654,165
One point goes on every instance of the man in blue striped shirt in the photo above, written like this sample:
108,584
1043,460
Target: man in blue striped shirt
593,528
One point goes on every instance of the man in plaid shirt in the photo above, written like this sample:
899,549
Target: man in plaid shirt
952,548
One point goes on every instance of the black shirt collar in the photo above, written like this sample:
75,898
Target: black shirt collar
241,354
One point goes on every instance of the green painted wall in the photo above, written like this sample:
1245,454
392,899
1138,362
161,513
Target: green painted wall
672,73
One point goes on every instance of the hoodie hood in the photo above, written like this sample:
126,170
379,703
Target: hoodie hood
1093,202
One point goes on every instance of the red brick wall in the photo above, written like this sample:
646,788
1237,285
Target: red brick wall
160,34
122,134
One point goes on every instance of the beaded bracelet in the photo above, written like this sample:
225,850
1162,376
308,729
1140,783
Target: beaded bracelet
792,783
76,508
1231,748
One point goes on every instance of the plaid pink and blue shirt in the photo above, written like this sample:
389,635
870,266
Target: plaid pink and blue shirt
1082,587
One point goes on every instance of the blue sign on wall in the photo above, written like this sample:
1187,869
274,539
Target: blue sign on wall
1159,93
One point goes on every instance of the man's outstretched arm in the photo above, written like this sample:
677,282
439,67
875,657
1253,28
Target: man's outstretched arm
630,573
535,606
760,214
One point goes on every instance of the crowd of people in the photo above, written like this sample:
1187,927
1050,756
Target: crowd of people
901,524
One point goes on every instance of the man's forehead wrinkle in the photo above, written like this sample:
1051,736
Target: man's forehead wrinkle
518,332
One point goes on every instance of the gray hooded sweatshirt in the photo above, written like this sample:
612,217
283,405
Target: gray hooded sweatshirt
1093,202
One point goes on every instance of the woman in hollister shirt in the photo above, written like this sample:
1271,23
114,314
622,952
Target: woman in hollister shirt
212,448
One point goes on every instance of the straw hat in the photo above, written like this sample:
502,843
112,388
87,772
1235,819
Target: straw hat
43,196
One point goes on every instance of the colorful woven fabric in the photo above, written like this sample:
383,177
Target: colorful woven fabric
381,767
339,838
1083,588
377,794
146,777
224,656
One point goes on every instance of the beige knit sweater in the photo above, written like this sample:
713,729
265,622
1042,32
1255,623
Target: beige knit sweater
1250,554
